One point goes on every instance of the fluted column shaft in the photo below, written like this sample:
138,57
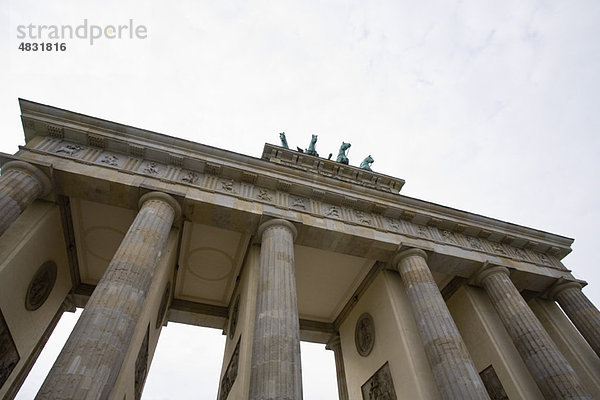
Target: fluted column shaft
580,310
451,364
551,371
276,371
335,345
90,361
20,184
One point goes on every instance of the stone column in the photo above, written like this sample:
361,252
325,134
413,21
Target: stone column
276,372
335,345
20,184
91,360
580,310
551,371
451,364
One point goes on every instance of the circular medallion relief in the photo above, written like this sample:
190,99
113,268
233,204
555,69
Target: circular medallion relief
40,286
364,334
163,306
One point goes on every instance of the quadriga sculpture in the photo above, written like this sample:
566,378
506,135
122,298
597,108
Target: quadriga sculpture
366,163
284,142
342,157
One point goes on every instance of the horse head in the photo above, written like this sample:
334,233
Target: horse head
366,163
283,139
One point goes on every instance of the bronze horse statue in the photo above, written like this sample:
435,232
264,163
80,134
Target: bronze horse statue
311,147
366,163
284,142
342,157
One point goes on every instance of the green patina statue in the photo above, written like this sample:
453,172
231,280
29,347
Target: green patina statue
311,147
284,142
366,163
342,157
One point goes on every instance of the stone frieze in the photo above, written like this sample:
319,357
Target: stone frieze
345,211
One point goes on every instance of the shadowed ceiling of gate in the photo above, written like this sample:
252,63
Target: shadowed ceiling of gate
211,258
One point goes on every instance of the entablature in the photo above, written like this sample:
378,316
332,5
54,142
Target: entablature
62,135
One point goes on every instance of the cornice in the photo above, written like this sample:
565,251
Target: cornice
89,140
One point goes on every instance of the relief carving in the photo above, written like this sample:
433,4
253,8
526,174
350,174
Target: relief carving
230,374
298,202
69,149
227,186
333,211
364,334
448,236
263,194
394,224
543,258
9,356
498,248
474,242
380,386
520,253
362,218
422,231
110,159
151,168
40,286
492,384
190,177
234,318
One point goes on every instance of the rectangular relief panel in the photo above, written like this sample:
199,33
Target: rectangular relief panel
9,356
380,386
231,373
492,384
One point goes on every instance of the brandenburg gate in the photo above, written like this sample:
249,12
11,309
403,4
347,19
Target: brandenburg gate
416,300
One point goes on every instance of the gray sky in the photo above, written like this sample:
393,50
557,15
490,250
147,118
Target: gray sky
484,106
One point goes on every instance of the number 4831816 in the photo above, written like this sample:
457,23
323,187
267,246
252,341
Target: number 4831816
43,46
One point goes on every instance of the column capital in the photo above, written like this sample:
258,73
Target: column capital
486,271
32,171
561,285
334,343
276,222
408,253
170,200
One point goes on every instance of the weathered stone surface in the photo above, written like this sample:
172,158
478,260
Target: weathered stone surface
580,310
452,367
380,385
20,184
230,373
364,334
141,366
90,361
552,373
335,345
41,285
9,355
276,371
492,384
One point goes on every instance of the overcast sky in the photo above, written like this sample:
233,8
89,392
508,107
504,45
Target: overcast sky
484,106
